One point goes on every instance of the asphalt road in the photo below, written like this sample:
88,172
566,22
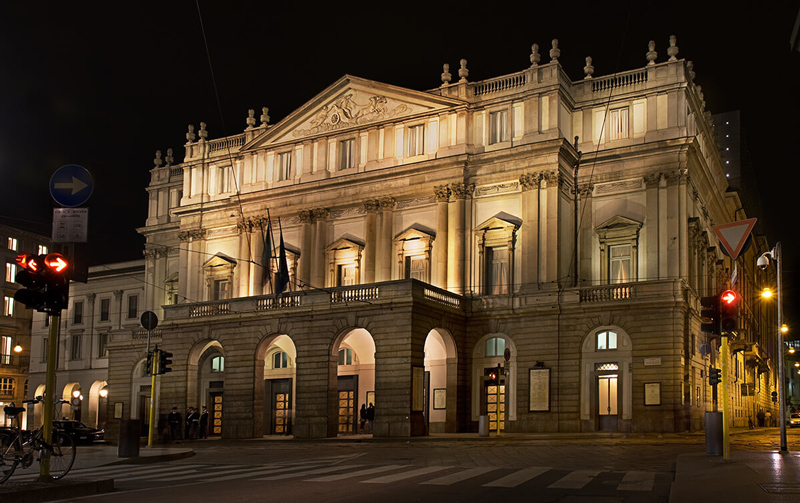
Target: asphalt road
508,469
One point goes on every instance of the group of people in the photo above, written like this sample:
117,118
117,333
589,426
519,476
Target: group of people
367,415
195,424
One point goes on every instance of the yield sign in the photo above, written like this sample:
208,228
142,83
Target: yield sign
733,235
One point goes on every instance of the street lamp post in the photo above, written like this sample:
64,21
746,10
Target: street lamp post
775,254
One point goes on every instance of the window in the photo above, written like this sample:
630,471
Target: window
606,340
347,154
345,356
7,386
105,307
42,250
133,306
416,140
102,345
284,166
5,350
12,244
11,272
618,124
619,238
280,360
413,249
221,289
171,290
77,313
44,350
498,131
347,275
75,351
497,271
8,306
417,268
224,179
496,346
619,263
218,364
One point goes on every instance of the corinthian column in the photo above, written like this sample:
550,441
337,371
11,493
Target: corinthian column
384,259
371,207
529,256
306,237
440,247
457,237
318,265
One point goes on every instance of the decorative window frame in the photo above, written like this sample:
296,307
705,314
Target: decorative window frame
343,251
218,267
496,233
618,230
413,243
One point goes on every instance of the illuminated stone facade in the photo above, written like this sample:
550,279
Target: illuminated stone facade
427,232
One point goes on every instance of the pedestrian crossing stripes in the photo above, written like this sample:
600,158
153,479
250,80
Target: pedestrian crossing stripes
339,470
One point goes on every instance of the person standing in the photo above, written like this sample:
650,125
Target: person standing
188,424
194,424
174,421
363,416
370,417
204,423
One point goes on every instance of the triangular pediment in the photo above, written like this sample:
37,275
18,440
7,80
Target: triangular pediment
344,243
349,104
220,260
618,222
499,221
414,233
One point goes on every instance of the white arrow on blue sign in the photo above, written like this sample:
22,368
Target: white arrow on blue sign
71,185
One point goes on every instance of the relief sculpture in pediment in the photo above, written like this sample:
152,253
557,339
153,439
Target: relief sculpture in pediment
345,112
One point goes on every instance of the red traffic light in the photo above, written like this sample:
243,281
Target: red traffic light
56,262
729,297
28,261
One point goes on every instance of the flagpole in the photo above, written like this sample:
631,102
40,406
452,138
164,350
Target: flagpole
268,239
272,241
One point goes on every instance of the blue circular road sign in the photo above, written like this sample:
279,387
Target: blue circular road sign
71,185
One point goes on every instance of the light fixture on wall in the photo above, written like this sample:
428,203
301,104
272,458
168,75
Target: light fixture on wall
17,348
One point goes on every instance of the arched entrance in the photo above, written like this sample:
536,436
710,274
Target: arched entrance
210,385
606,384
95,401
496,399
355,374
441,363
279,379
68,411
141,382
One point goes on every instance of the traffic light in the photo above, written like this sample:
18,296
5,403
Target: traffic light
491,376
710,313
32,278
774,396
148,366
46,282
164,362
714,376
728,311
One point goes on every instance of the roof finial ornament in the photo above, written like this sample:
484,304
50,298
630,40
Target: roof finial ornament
651,54
264,116
170,159
535,56
251,118
672,51
690,69
463,73
190,136
588,70
446,76
157,161
555,52
203,133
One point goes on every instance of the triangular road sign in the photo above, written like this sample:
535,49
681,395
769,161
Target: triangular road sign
734,235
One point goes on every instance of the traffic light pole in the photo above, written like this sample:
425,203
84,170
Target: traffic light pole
778,256
725,405
154,372
49,392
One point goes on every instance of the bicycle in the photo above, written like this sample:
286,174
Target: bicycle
20,447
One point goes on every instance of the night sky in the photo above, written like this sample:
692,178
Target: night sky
105,85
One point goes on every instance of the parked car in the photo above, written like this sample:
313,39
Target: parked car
79,432
794,420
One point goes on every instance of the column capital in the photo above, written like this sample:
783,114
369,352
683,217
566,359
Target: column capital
372,205
306,216
321,213
462,190
442,193
387,203
530,181
652,180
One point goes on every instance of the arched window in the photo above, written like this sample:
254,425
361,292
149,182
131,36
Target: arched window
218,364
495,346
345,356
606,340
280,360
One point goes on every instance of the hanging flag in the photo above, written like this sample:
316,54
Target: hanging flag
266,255
283,267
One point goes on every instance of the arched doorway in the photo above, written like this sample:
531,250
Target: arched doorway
606,384
141,382
441,363
280,371
95,402
355,357
494,398
68,411
208,386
